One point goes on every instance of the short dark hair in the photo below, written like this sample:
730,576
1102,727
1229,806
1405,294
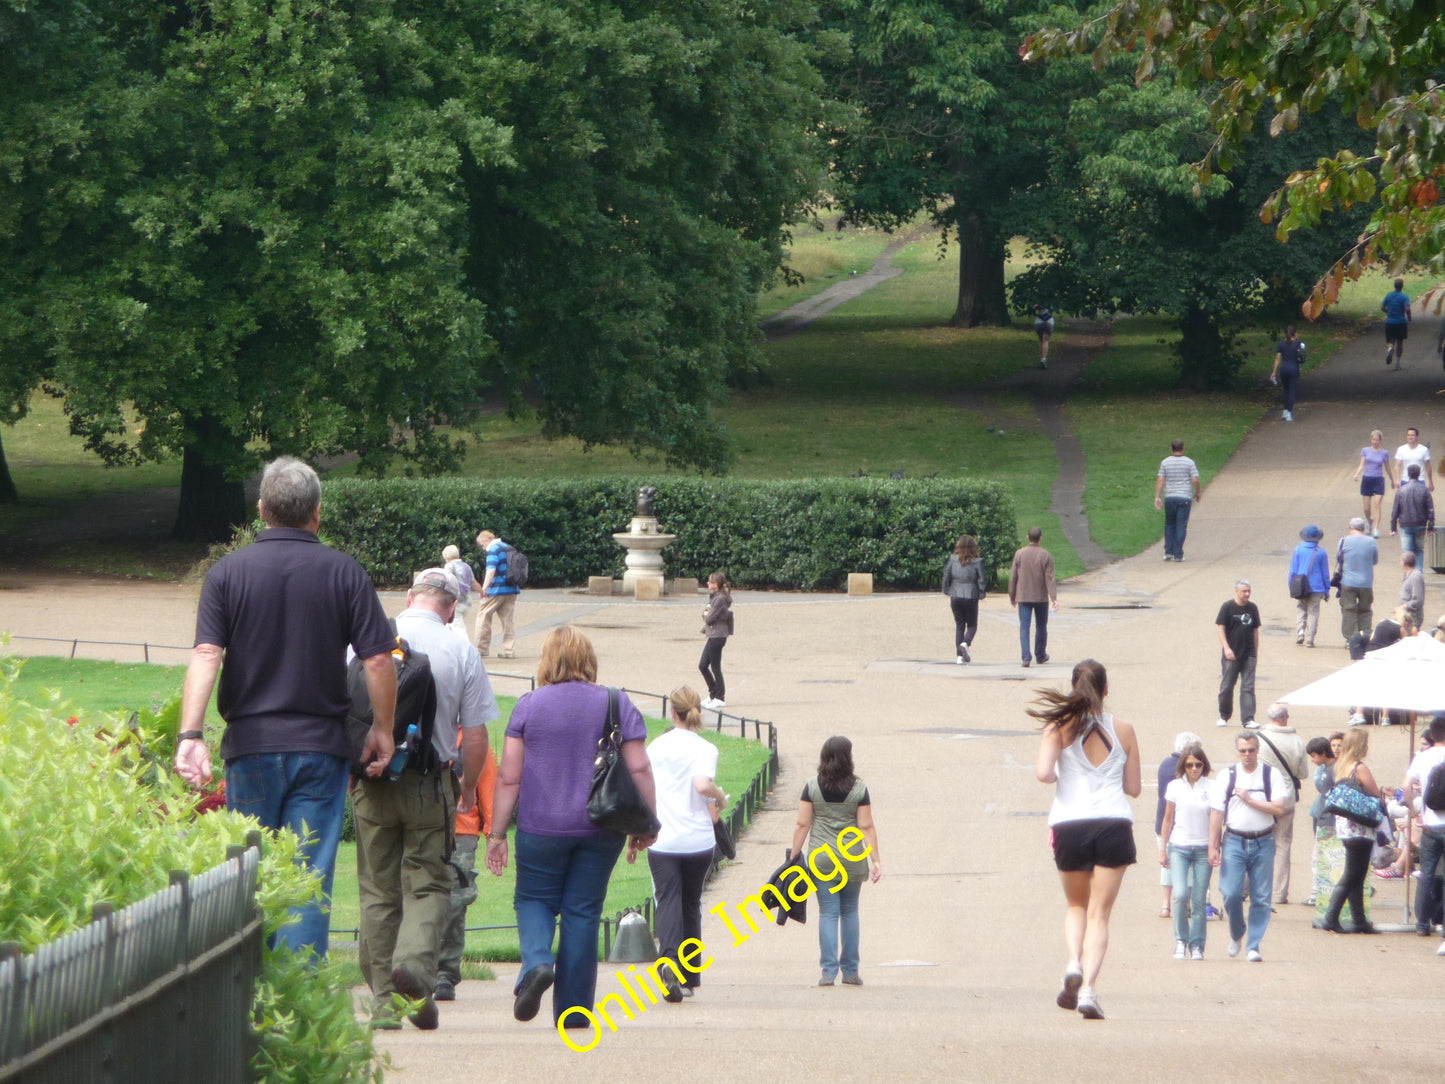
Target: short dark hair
1408,558
1176,445
1246,736
1319,747
1413,470
1399,284
1436,730
1035,533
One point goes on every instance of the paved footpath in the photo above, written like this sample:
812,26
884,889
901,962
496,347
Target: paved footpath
962,939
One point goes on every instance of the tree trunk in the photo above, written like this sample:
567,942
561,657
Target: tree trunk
212,505
981,296
8,495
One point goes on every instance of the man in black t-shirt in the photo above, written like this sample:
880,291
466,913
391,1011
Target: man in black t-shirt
281,612
1238,628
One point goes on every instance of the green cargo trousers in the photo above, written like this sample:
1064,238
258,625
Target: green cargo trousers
403,833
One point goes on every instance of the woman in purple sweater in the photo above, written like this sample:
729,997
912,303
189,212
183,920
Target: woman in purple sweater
564,861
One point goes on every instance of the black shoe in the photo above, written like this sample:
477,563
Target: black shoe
534,984
673,991
446,990
1043,659
1363,927
1332,924
409,986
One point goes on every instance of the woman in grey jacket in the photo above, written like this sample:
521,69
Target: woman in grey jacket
963,583
717,625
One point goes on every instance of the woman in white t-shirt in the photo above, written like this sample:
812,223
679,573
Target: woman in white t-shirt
1184,849
683,766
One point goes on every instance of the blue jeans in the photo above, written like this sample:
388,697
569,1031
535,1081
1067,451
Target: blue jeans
1252,858
1427,890
305,792
838,912
1176,524
567,877
1040,612
1412,540
1189,872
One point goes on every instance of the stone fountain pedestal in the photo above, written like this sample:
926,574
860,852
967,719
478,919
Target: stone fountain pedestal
644,544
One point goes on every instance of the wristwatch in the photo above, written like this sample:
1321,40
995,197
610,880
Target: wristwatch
190,735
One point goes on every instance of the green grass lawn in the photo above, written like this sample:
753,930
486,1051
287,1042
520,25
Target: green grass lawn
87,687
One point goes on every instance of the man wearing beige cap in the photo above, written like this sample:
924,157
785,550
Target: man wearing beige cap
404,825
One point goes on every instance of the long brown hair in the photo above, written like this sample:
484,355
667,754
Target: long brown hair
1066,711
967,548
835,764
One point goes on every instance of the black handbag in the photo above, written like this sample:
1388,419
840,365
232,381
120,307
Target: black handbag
723,840
614,803
1299,586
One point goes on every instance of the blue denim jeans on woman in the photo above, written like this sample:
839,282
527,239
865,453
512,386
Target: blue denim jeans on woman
1252,858
838,915
566,877
1189,871
305,792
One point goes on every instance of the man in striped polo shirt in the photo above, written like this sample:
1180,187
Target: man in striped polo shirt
1172,492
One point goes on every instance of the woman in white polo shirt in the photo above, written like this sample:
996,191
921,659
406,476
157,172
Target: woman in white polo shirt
683,766
1184,849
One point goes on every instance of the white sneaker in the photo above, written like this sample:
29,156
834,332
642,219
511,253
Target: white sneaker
718,705
1234,947
1254,957
1196,954
709,702
959,660
1375,533
1089,1004
1441,950
1181,950
1288,416
1357,719
1223,722
963,653
1251,725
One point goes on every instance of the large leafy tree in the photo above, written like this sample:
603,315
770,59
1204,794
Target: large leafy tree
659,151
939,115
319,227
1284,65
1128,227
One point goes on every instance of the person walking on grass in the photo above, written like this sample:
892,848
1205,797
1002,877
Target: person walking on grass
1176,490
1032,591
1289,355
1093,760
1238,627
1396,308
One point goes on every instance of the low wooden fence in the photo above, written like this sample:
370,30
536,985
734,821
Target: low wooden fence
158,991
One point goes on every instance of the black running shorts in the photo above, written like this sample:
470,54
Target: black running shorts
1082,845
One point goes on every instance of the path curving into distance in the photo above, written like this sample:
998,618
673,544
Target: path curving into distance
1048,388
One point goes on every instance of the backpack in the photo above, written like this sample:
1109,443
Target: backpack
1435,788
1229,790
416,703
518,567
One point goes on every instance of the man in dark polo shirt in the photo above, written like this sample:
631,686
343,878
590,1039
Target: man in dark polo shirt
281,612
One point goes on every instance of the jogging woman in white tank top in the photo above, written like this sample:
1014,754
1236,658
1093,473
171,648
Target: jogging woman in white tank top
1094,760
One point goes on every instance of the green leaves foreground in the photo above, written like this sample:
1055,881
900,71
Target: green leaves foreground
90,813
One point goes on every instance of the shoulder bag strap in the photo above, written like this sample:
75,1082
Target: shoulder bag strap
1292,777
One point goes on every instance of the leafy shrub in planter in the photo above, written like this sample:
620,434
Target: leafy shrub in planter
95,817
798,535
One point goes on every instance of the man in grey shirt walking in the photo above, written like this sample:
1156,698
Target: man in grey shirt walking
1357,556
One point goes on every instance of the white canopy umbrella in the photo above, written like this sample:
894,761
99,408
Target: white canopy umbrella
1408,676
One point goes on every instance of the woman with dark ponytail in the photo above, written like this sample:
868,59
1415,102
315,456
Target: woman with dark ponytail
1094,760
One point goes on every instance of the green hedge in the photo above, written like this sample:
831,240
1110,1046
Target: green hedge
798,535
